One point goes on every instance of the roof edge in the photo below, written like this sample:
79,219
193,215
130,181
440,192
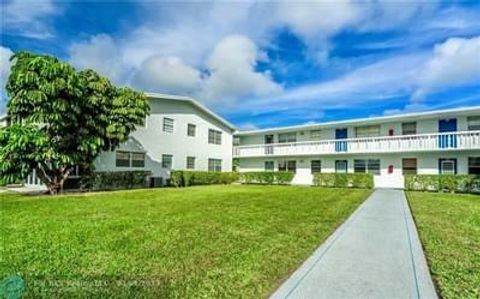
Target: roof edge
360,120
154,95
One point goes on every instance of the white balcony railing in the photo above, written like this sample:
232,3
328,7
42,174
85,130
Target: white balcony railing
468,140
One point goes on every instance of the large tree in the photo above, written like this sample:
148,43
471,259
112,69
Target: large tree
60,118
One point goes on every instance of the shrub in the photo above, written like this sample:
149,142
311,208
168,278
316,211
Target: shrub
184,178
110,180
443,183
267,177
343,180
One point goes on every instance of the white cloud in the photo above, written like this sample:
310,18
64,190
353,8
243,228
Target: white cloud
167,74
102,54
5,64
454,62
381,80
308,19
28,18
232,71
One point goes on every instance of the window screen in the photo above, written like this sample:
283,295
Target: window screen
167,161
122,159
367,131
409,128
474,165
287,137
473,123
316,166
167,125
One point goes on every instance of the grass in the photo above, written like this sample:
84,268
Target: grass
449,227
198,242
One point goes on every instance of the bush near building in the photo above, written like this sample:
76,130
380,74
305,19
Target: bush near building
112,180
443,183
343,180
267,177
185,178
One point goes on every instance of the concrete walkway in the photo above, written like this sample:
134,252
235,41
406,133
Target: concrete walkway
376,253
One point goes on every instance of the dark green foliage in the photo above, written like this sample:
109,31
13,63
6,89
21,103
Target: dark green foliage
343,180
185,178
111,180
266,177
443,183
61,118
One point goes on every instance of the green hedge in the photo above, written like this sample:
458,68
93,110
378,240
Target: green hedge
443,183
343,180
110,180
267,177
184,178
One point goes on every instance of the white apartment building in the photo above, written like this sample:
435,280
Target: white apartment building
436,142
180,133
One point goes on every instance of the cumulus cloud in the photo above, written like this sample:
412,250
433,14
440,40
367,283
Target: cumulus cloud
454,62
232,71
167,74
5,64
101,53
28,18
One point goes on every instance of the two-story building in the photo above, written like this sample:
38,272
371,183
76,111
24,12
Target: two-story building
180,133
436,142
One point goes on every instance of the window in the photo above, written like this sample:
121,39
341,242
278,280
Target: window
287,137
191,128
359,166
341,166
409,128
122,159
269,166
447,166
167,125
214,165
367,131
138,159
236,140
167,161
190,162
315,134
367,166
409,166
373,166
214,136
474,165
316,166
473,123
290,166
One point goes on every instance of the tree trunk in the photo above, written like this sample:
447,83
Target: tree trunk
53,179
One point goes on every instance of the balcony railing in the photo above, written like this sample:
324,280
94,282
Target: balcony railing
467,140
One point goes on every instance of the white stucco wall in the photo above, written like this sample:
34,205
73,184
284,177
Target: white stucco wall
427,163
424,126
154,142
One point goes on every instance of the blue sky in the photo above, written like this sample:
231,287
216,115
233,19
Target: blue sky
265,64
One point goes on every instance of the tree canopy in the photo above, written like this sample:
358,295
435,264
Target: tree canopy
60,118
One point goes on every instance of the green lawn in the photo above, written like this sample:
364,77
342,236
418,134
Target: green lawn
198,242
449,227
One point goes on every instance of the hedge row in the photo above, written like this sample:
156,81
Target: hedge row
110,180
184,178
445,183
343,180
267,177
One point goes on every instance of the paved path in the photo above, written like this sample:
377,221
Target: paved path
376,253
